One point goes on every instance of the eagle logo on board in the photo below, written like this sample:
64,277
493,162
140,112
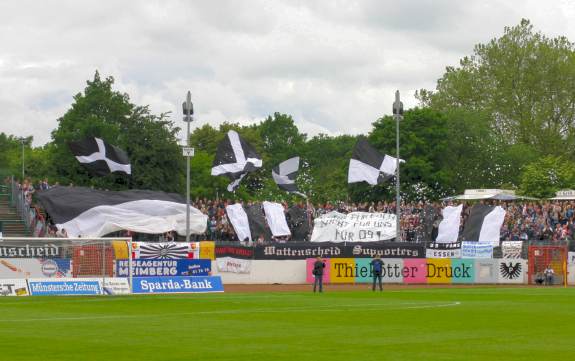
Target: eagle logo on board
510,270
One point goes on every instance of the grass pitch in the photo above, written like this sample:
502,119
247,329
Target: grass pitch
487,323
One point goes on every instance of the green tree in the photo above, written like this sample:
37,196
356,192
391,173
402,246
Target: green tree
328,158
476,158
524,81
11,155
544,177
281,138
149,140
424,144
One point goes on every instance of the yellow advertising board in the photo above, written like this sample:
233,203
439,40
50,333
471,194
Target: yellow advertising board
342,270
208,250
439,270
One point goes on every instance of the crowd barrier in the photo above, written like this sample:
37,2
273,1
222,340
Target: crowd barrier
395,270
66,268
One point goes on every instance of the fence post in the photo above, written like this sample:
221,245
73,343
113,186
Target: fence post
103,261
130,247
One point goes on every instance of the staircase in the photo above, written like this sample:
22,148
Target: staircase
11,223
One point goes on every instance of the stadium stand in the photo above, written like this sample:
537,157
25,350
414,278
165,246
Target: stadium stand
546,220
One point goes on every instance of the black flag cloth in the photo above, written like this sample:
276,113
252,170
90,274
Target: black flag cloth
88,212
368,165
285,174
99,157
257,222
484,224
298,223
234,159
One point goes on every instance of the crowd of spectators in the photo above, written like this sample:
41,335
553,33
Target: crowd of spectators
541,220
531,220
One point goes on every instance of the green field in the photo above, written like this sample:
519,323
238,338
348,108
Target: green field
490,323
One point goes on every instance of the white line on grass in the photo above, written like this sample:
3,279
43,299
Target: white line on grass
148,297
330,308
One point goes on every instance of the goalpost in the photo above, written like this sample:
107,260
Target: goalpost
27,258
542,256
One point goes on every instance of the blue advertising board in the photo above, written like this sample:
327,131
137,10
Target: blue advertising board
164,267
65,286
177,284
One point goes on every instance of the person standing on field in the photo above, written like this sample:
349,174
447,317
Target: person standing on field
318,267
377,268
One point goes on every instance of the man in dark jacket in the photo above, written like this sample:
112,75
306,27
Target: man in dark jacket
377,268
318,267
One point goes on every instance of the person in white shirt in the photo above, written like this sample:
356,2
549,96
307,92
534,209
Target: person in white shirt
549,275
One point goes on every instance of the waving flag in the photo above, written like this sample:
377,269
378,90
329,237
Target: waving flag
285,174
235,158
368,165
88,212
99,157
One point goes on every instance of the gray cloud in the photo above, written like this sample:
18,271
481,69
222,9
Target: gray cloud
333,65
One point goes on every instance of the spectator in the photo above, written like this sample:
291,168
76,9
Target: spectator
549,275
62,233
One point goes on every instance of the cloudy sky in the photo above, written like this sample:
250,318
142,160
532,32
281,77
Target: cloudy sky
334,65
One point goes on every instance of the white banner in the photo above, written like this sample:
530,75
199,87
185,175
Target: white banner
571,257
239,219
13,287
476,250
354,227
35,267
116,286
443,250
491,227
276,218
511,249
234,265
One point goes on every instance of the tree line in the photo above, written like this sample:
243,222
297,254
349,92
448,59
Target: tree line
503,118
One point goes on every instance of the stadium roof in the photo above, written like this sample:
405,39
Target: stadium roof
566,194
496,194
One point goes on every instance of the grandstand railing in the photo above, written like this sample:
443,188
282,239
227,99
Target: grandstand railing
33,219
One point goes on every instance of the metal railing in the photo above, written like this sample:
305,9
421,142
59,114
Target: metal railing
33,220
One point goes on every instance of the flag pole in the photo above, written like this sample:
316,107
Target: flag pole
398,114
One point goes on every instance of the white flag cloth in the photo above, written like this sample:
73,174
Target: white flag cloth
89,212
490,229
276,218
449,226
239,220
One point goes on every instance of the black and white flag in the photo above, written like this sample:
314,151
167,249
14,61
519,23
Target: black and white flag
285,174
368,165
255,220
234,159
99,157
88,212
484,224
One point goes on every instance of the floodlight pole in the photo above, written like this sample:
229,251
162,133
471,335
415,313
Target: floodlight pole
188,109
398,115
